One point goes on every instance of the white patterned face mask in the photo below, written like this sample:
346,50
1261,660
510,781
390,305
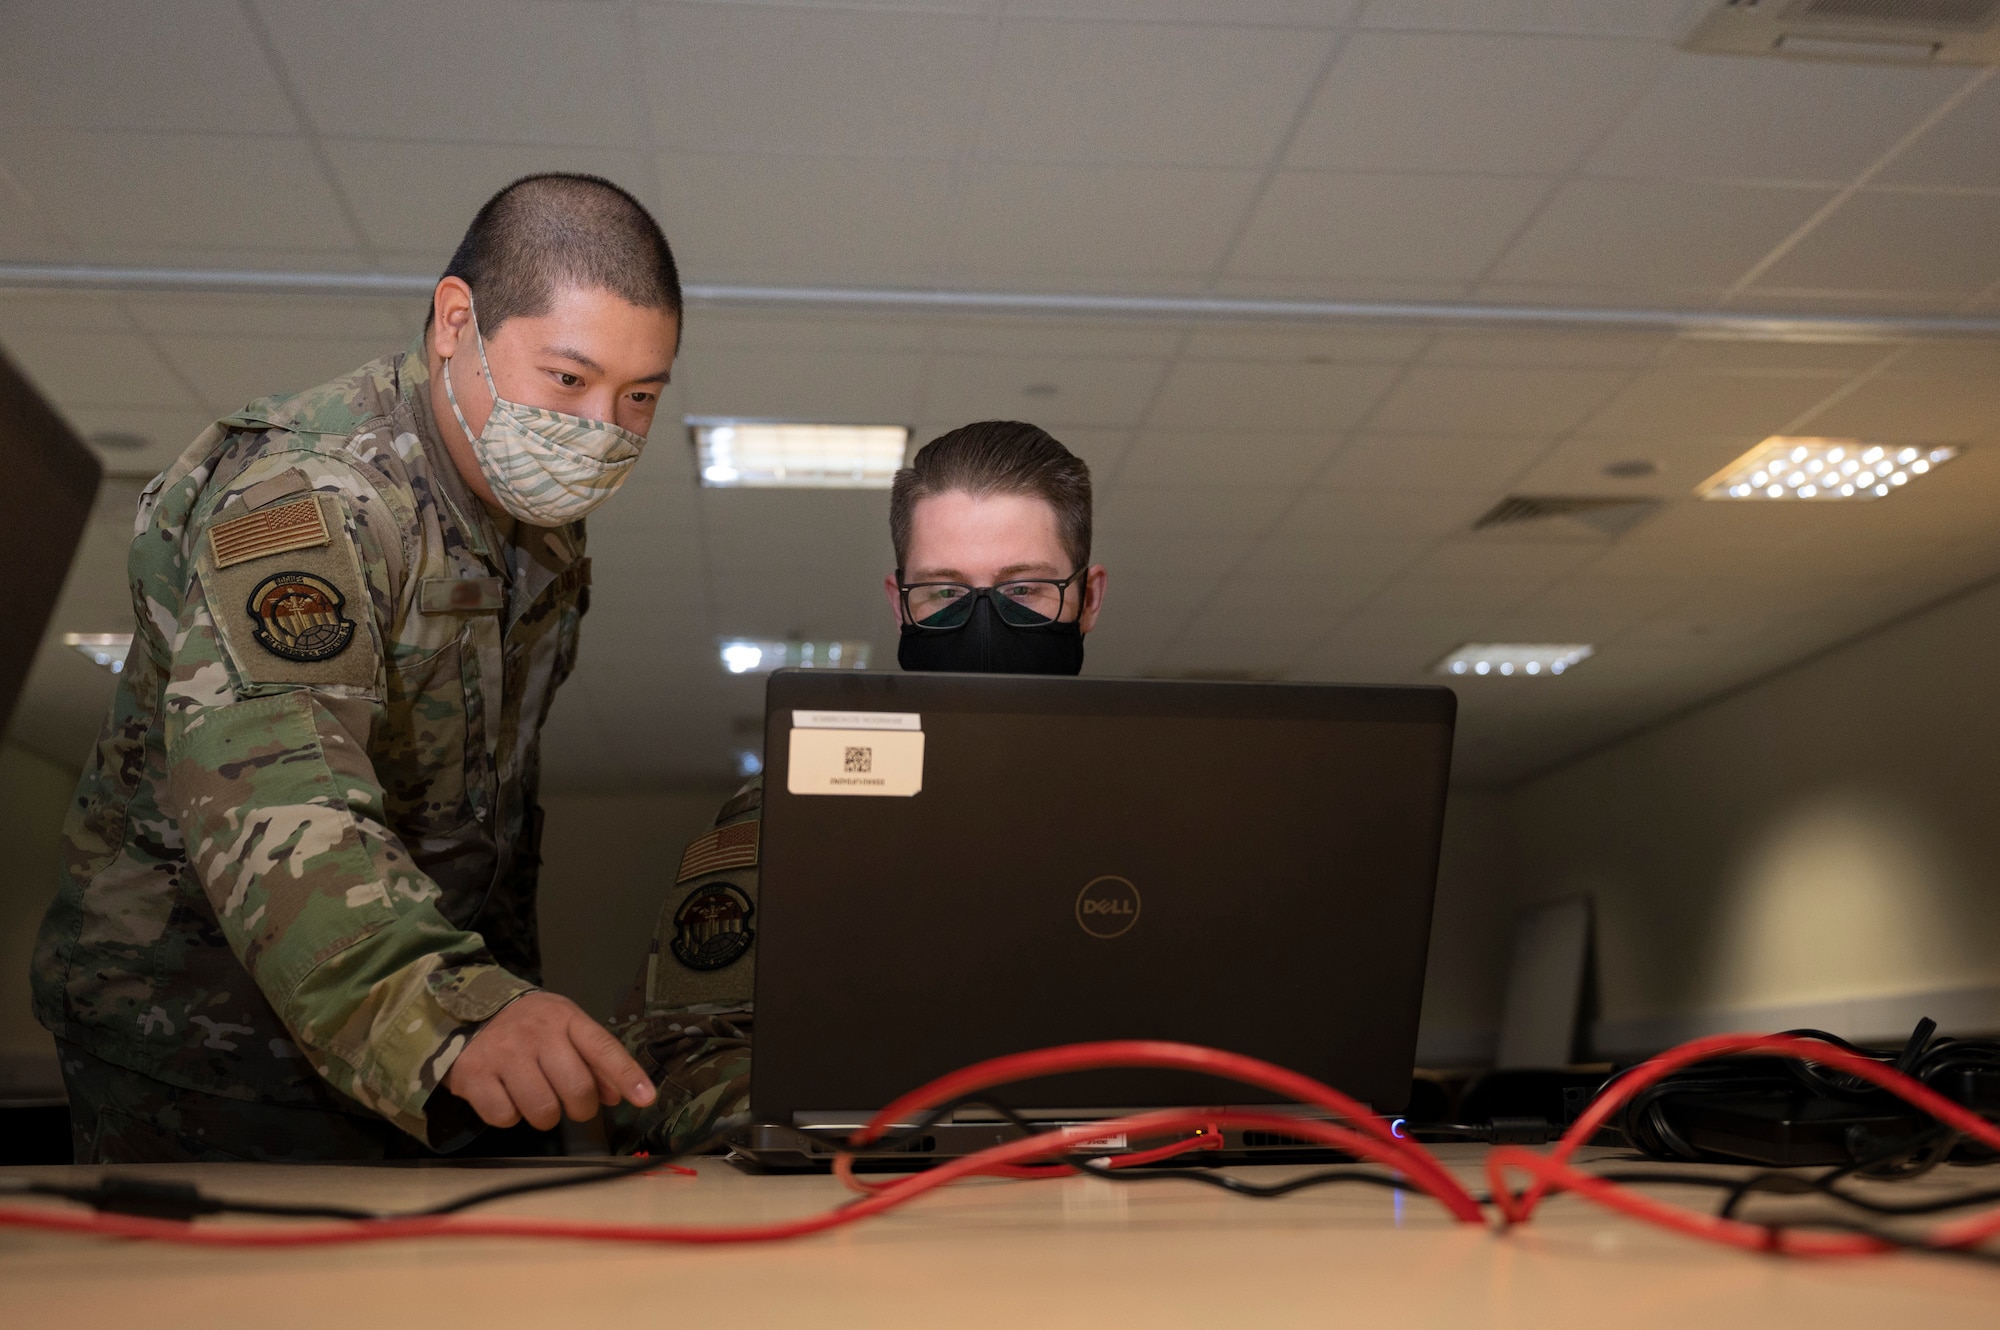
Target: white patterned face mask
545,467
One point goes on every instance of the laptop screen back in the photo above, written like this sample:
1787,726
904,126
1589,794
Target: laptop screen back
1249,866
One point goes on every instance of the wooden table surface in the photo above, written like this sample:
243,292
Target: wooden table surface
1076,1251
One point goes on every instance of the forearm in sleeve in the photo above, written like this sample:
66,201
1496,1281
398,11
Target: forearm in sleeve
282,816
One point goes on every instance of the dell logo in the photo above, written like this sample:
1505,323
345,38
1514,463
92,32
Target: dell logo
1107,907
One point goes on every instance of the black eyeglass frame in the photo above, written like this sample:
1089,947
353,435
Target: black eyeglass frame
1062,586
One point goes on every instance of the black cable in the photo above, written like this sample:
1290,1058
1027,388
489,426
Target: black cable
1099,1166
154,1199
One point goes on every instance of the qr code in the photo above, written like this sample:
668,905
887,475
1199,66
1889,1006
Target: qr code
861,759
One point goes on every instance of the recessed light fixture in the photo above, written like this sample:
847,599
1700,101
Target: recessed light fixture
1514,659
106,649
1784,467
761,655
744,454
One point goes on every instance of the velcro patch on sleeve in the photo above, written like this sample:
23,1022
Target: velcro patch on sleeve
733,846
295,613
460,595
293,526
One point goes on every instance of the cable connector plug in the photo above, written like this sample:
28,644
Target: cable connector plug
145,1198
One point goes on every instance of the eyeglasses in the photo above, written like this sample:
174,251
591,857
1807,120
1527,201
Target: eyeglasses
1033,602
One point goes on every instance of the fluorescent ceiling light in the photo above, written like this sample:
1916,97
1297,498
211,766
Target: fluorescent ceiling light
738,454
761,655
1786,468
106,649
1514,659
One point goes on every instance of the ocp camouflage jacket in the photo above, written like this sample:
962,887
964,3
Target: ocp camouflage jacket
304,854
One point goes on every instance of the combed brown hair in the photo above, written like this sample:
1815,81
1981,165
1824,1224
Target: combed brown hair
560,229
997,457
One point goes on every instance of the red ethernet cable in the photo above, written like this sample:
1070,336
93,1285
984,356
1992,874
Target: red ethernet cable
1368,1137
1552,1171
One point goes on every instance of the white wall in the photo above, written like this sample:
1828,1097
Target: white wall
607,863
1822,848
1471,931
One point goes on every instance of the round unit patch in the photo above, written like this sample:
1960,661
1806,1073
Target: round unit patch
712,927
298,617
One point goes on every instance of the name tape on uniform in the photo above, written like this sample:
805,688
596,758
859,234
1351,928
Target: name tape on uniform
857,720
856,761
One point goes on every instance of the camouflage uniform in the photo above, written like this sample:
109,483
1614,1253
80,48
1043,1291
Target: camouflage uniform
300,870
687,1017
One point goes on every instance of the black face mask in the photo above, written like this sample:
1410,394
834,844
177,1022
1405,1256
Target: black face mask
987,644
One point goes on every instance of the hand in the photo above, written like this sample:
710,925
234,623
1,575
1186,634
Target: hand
540,1056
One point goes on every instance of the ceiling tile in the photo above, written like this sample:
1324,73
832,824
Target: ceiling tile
1167,571
814,330
310,316
1592,350
1418,227
77,370
1342,522
1218,647
23,313
1960,151
231,371
1165,457
1300,13
1158,93
27,234
165,190
1318,399
1916,407
804,219
1730,353
1637,18
1191,510
1316,347
1649,233
858,388
1417,462
1899,242
1474,601
1350,562
164,433
504,71
1433,399
1667,403
420,197
135,64
1577,464
1092,222
1051,337
1403,101
1052,391
835,539
1474,558
1744,119
739,78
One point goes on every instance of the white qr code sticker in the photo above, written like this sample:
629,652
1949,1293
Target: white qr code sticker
882,762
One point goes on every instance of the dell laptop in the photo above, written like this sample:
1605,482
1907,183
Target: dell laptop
957,866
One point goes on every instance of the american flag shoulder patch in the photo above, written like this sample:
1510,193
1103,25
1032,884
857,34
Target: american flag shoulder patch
299,525
733,846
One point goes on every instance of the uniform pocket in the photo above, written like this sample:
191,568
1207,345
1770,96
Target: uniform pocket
427,757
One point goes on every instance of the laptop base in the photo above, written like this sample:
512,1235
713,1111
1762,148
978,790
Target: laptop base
767,1148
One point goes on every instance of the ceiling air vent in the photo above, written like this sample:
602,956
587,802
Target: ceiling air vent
1568,514
1922,32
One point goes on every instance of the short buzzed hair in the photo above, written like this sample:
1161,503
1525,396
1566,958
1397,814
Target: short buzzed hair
997,457
559,230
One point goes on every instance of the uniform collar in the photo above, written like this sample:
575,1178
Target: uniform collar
413,382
